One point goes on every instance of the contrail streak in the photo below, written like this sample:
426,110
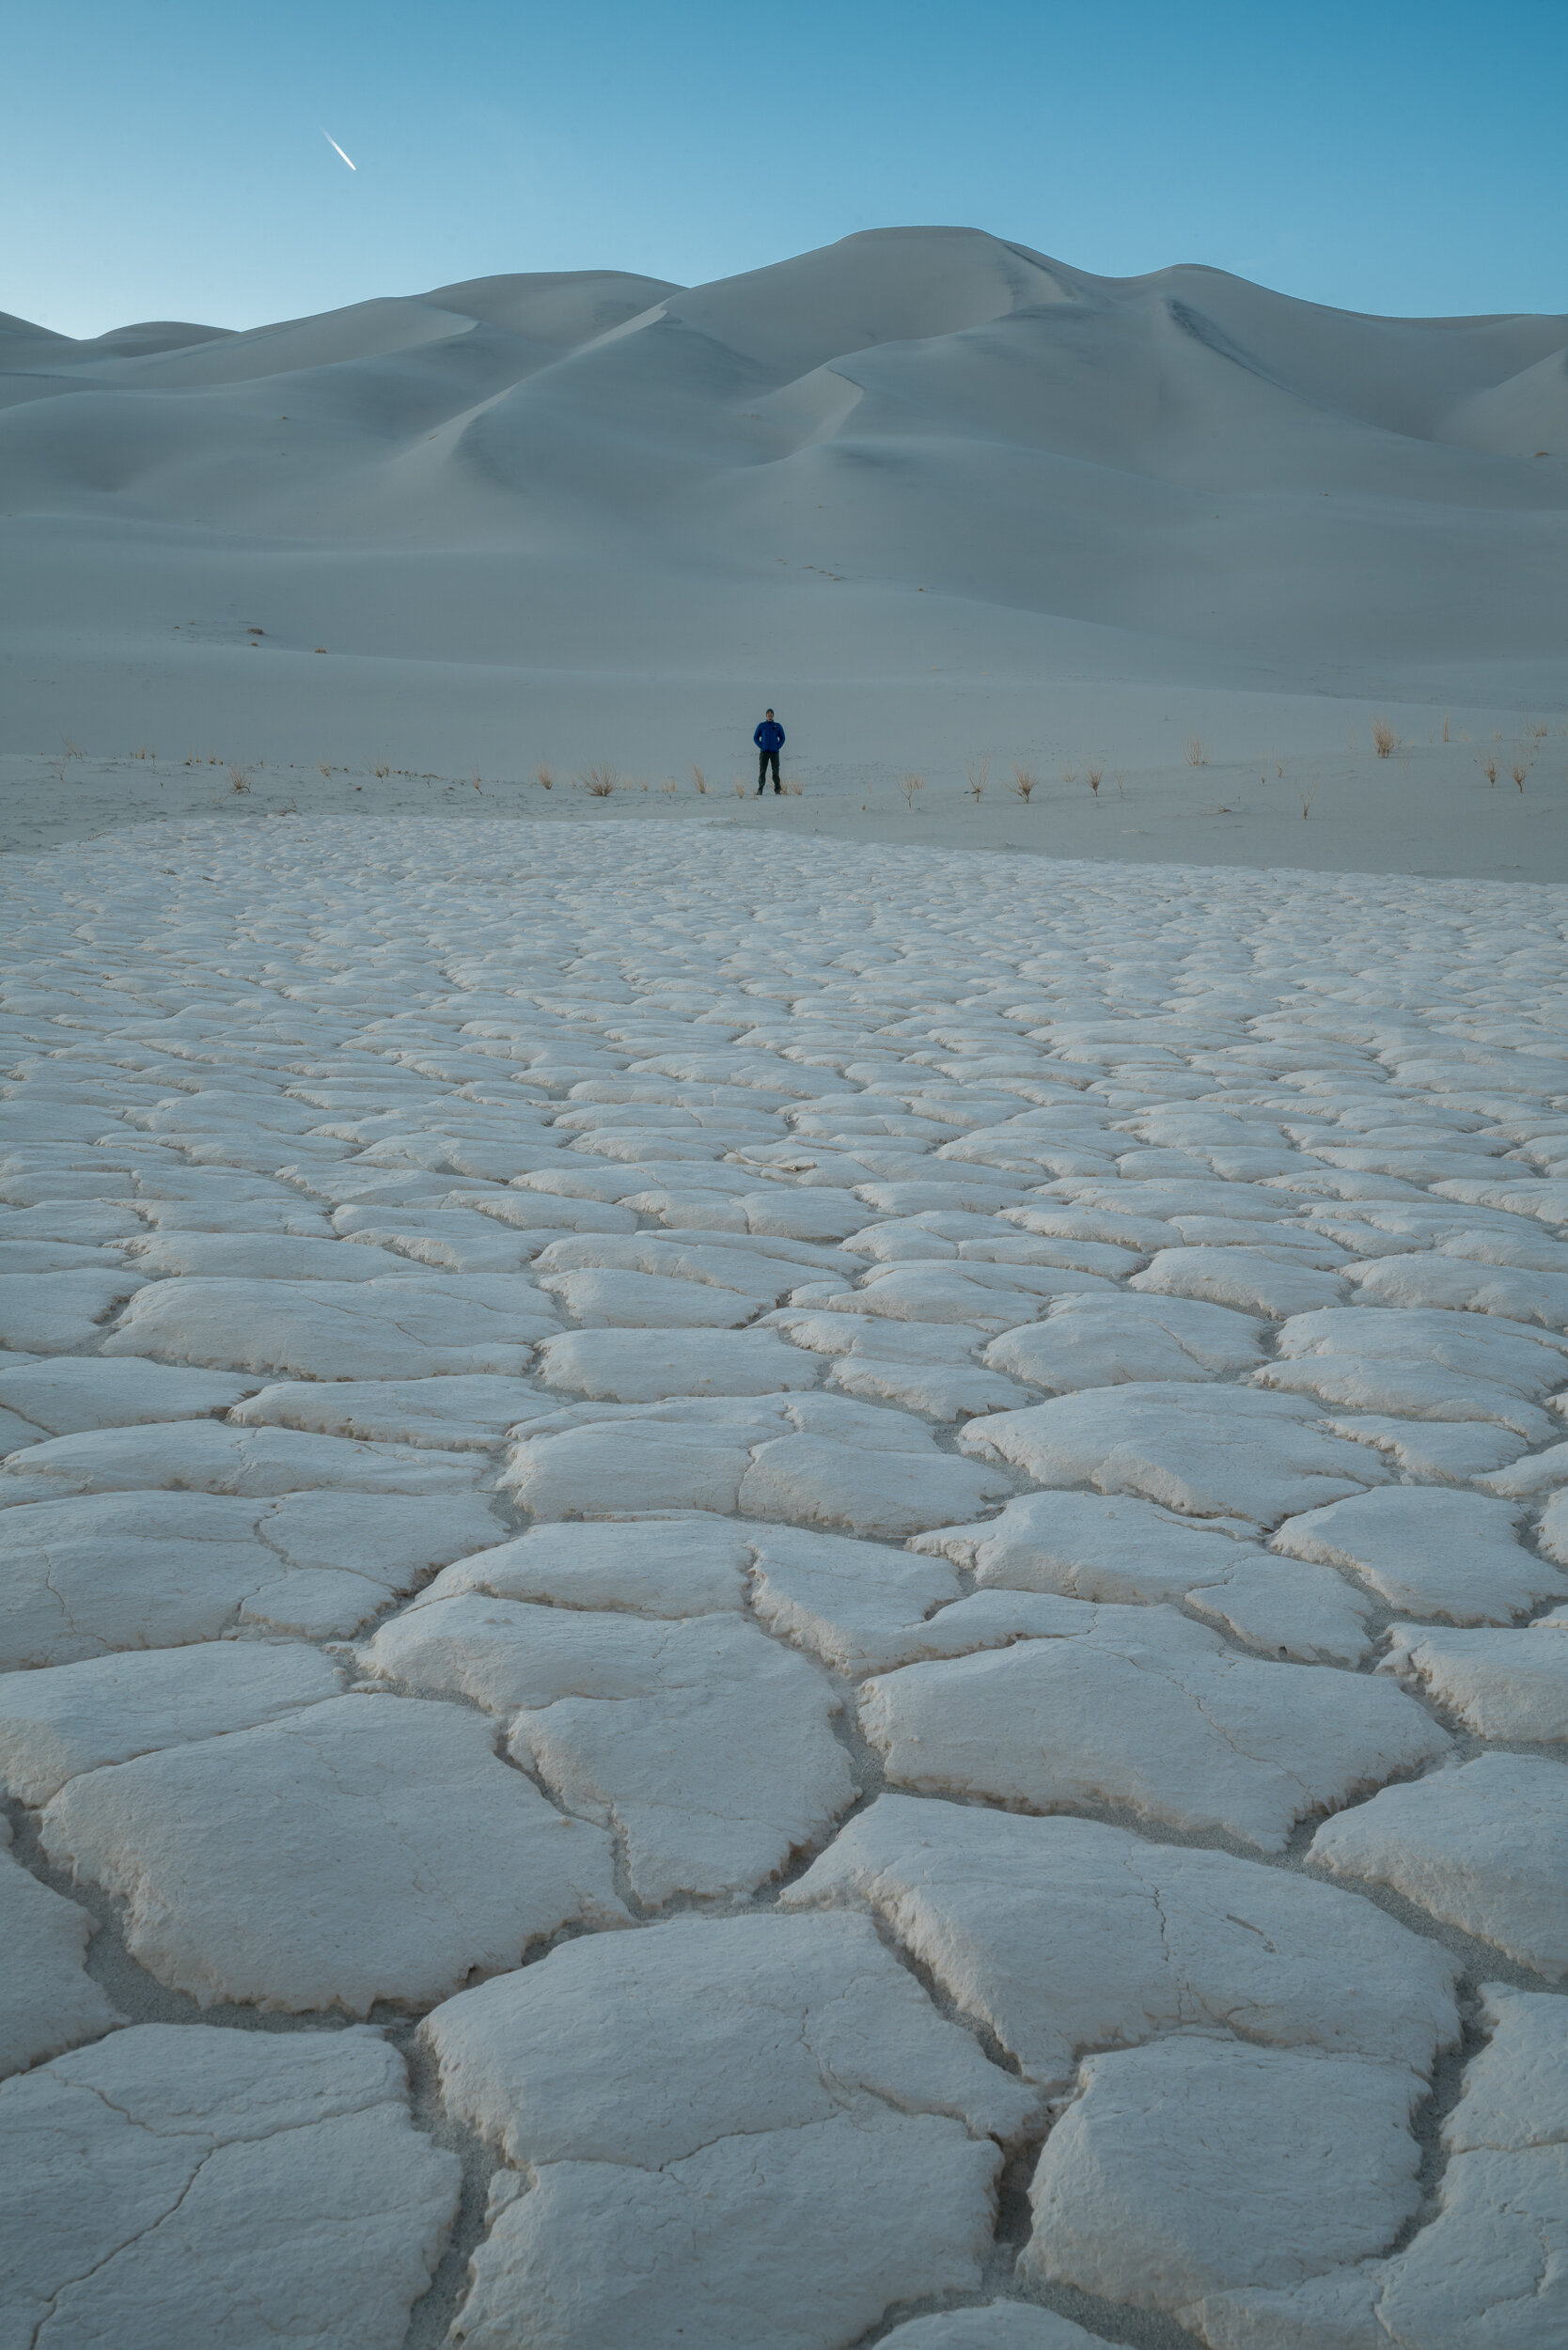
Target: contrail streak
336,149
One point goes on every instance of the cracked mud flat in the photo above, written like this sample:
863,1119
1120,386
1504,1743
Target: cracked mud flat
779,1601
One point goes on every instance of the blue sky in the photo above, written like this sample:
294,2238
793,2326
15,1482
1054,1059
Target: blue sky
166,159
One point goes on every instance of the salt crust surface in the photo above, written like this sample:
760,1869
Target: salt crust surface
57,1723
86,1577
709,1744
348,1852
47,2000
1483,1847
1062,1936
691,2103
1501,1685
999,2325
1491,2264
198,2184
1429,1552
1050,1320
1168,2178
1157,1714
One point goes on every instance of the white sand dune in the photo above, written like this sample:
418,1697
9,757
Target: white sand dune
928,493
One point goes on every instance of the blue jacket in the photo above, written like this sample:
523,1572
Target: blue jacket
769,736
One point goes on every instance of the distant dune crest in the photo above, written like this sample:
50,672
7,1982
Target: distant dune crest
598,472
881,287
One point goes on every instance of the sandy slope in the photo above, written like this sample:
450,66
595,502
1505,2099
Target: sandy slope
927,492
1427,809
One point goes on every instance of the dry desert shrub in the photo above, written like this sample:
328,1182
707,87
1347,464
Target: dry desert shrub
979,774
239,779
669,784
910,785
1096,775
1519,770
544,778
381,771
322,769
793,787
1489,769
739,789
1445,726
1024,782
1195,755
144,753
1385,741
599,782
700,779
1306,805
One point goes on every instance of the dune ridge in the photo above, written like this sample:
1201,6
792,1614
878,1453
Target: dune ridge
915,458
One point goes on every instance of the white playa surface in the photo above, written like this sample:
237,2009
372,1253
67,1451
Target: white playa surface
946,503
823,1544
778,1599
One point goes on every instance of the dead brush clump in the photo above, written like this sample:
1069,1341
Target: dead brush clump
976,775
910,785
671,785
699,780
1095,775
1519,770
791,787
238,779
1489,769
1025,783
144,753
1195,754
544,777
1385,741
599,782
381,771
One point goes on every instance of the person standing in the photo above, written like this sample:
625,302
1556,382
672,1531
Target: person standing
769,739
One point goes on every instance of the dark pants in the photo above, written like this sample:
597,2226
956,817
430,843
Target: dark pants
763,758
